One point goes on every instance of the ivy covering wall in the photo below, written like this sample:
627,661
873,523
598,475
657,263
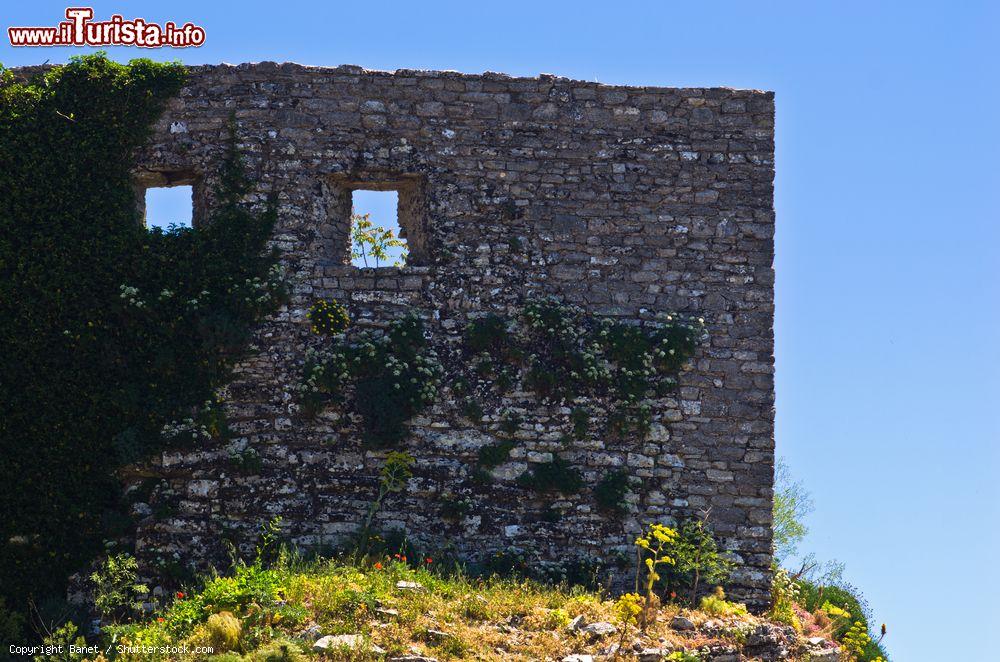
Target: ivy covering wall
110,332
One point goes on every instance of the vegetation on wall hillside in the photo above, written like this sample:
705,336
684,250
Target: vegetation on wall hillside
111,332
380,605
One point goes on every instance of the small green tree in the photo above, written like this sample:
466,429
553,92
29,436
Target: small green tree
696,558
117,590
373,241
792,504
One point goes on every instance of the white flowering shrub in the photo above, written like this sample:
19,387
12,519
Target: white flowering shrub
386,378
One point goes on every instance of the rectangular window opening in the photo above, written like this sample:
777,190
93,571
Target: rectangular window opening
169,206
377,238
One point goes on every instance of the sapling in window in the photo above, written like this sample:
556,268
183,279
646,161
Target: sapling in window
373,241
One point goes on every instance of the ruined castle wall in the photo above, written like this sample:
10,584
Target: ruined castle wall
623,200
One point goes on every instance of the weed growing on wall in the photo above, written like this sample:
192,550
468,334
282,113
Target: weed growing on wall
392,478
571,354
110,331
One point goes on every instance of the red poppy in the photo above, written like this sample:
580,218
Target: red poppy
428,560
160,620
378,566
404,559
180,595
672,595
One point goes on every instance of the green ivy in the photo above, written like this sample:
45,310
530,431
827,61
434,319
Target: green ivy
558,475
610,491
472,410
562,353
493,455
110,332
389,377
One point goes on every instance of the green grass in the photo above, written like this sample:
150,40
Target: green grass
257,614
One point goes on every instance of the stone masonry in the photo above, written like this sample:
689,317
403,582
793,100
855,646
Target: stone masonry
623,200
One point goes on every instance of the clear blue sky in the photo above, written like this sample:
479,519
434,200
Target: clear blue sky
888,314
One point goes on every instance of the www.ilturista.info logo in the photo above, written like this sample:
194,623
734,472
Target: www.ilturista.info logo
80,30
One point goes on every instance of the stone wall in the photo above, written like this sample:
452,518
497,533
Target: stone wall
623,200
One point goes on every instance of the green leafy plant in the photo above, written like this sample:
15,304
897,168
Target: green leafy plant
784,593
472,410
247,461
580,418
611,490
252,589
557,475
813,596
117,590
493,455
280,650
328,318
11,623
697,559
392,376
269,548
562,361
454,507
857,640
392,478
653,550
489,335
64,644
717,605
563,354
629,608
372,241
629,420
510,422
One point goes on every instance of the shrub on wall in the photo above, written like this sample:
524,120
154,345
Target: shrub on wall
561,353
388,377
566,356
611,490
110,331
